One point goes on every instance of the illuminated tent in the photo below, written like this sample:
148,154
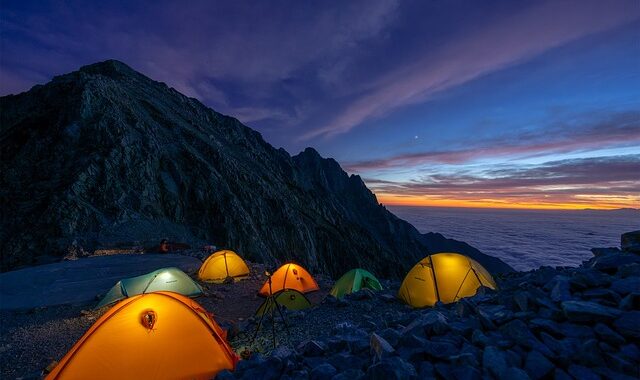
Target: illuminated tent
290,276
444,277
149,336
223,266
167,279
354,280
291,299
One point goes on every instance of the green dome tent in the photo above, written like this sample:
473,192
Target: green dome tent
289,298
354,280
165,279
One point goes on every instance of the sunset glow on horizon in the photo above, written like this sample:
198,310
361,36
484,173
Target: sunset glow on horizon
529,204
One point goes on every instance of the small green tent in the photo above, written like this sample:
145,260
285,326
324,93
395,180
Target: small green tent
165,279
289,298
354,280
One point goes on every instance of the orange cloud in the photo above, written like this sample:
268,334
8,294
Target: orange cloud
576,202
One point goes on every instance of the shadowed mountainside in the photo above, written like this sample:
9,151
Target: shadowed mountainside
106,157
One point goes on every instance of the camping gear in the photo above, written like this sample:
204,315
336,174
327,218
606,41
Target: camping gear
153,335
167,279
354,280
290,276
268,306
444,277
289,298
223,266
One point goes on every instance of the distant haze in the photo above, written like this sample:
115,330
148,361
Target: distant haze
527,239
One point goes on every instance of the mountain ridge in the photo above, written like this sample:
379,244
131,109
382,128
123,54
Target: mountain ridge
104,156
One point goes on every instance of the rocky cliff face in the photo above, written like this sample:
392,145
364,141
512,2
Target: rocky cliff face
106,157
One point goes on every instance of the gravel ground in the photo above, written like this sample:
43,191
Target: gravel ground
32,339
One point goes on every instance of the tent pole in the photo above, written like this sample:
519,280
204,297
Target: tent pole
149,283
435,281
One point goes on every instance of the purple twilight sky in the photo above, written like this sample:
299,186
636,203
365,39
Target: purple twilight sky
500,103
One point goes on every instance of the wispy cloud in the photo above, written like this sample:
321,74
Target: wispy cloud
610,181
618,129
492,47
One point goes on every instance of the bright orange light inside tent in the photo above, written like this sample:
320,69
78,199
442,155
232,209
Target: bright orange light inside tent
290,276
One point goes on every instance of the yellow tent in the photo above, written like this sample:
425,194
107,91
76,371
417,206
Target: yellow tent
161,335
290,276
223,266
444,277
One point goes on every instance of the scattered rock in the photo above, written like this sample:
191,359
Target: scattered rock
537,365
393,368
628,325
494,361
380,347
323,372
630,242
312,348
585,311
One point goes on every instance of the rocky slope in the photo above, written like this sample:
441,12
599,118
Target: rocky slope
550,323
105,157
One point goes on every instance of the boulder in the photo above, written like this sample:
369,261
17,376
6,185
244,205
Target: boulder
521,300
312,348
464,372
380,347
393,368
514,373
606,334
350,374
620,364
537,365
611,262
628,325
603,296
626,286
589,353
604,251
585,311
322,372
559,374
343,361
520,333
426,371
582,373
560,289
430,323
494,361
630,242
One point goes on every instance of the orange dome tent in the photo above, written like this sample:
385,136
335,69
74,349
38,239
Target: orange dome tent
223,266
290,276
149,336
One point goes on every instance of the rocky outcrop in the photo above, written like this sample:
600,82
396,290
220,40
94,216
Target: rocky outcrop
630,241
550,323
105,157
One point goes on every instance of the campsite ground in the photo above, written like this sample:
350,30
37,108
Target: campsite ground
548,323
31,339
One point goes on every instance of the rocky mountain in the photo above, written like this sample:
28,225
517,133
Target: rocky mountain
106,157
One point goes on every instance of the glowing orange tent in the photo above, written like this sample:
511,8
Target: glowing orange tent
223,266
149,336
290,276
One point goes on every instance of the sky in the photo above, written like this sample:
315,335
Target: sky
517,104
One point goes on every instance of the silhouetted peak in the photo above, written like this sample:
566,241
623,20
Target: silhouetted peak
110,68
309,152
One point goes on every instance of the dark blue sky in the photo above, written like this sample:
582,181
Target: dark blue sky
501,103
